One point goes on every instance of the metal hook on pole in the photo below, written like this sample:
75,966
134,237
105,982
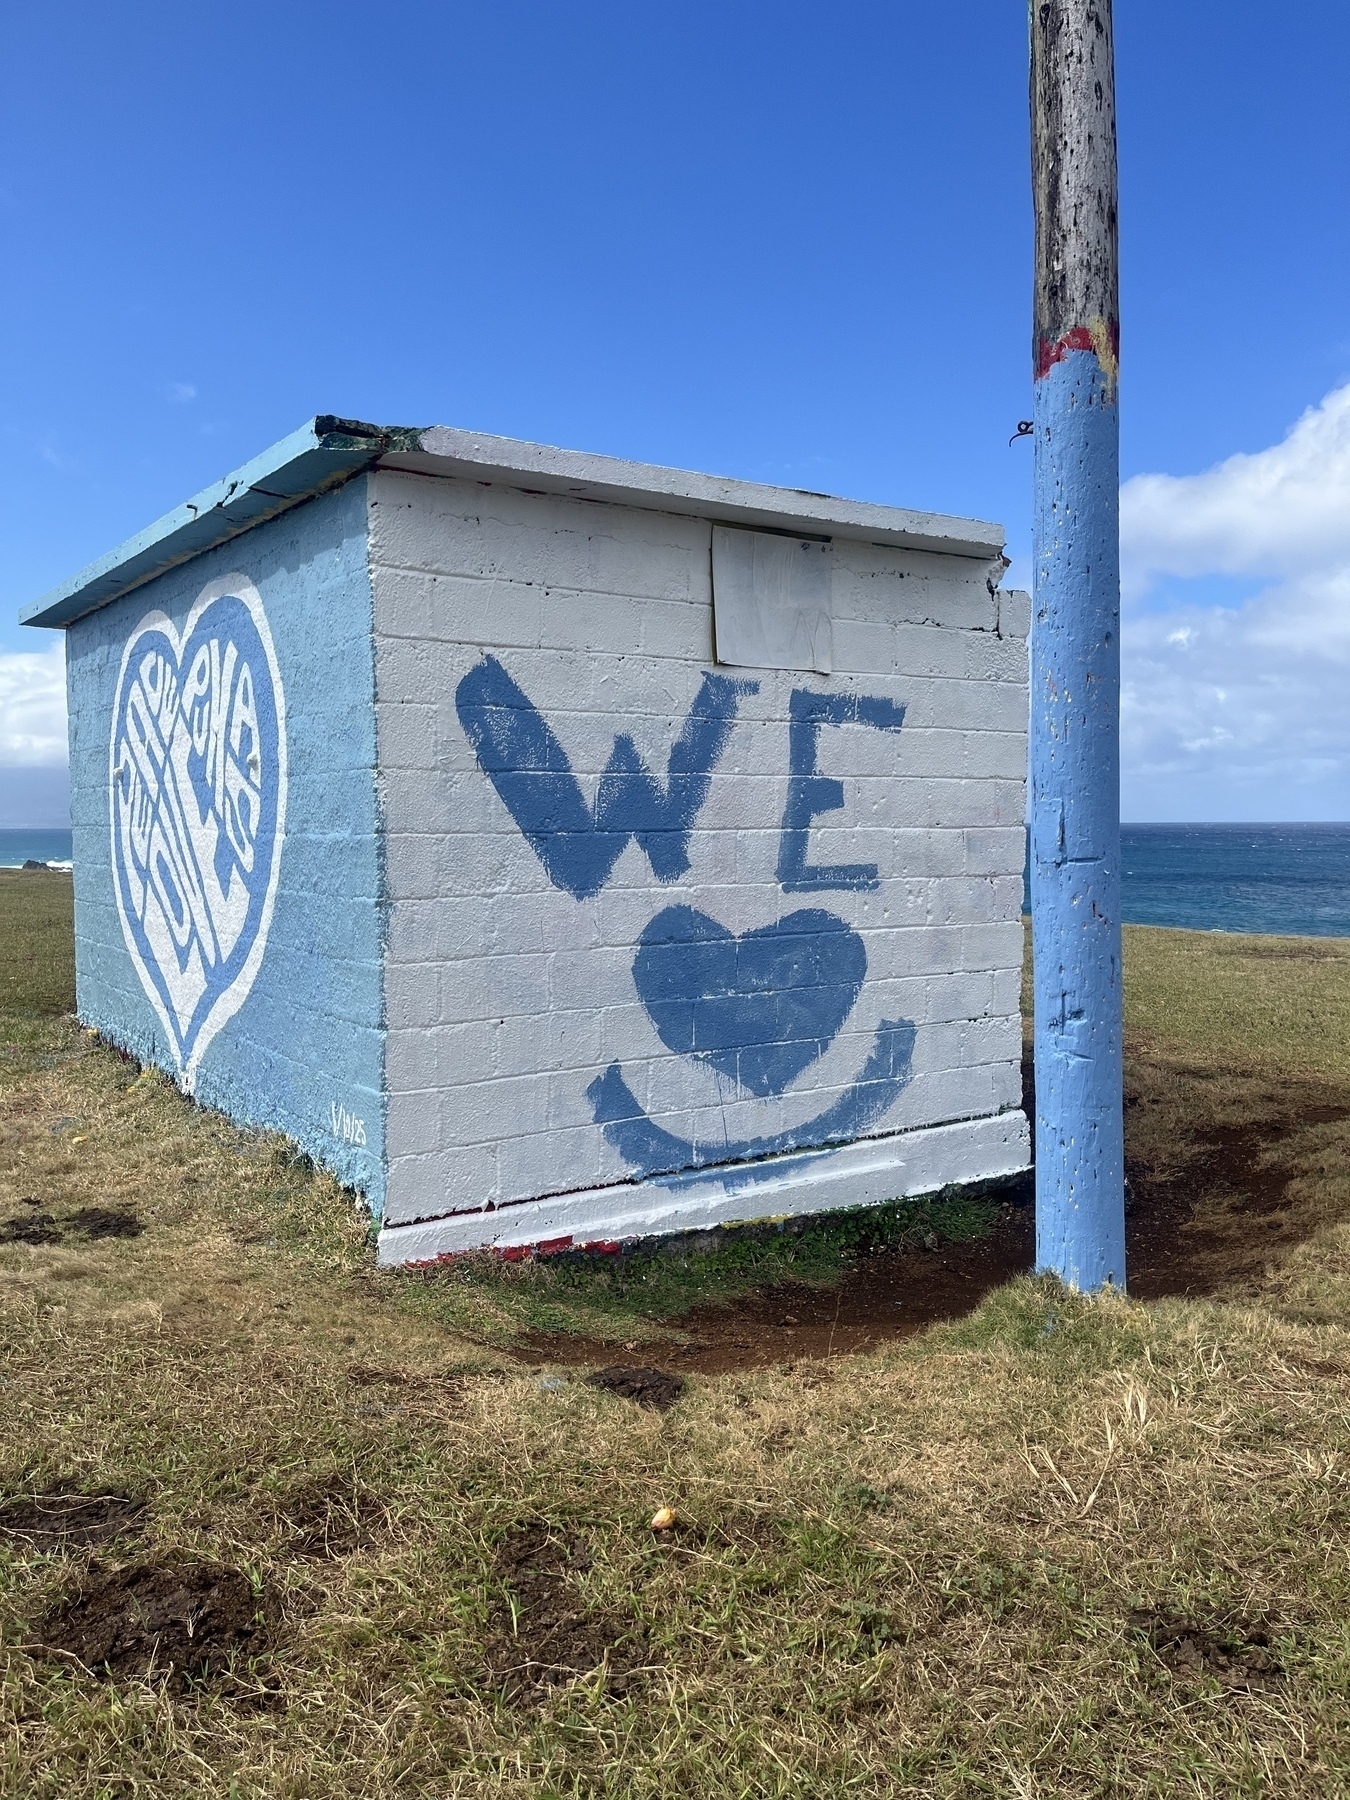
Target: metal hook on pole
1075,649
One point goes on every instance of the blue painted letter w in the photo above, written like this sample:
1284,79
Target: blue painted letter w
529,769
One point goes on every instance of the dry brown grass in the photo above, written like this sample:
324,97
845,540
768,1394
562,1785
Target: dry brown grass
1280,1004
958,1568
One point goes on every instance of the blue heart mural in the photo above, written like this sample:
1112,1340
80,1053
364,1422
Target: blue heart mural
759,1008
197,791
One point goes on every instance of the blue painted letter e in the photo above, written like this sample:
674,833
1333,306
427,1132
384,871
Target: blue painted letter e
810,793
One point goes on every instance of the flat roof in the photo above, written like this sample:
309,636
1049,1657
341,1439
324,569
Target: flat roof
329,451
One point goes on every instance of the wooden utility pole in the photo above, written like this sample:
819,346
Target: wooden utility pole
1075,649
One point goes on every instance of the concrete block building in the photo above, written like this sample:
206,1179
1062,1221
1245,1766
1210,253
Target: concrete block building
559,849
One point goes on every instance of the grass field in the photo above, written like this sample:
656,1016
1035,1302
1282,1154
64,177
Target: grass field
1048,1547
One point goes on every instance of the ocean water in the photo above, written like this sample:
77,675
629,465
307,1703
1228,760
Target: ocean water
18,847
1290,880
1285,880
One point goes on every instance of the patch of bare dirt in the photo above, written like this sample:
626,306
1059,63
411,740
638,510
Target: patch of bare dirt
89,1222
105,1222
887,1294
541,1634
329,1518
63,1516
166,1617
1234,1652
1212,1163
655,1389
34,1228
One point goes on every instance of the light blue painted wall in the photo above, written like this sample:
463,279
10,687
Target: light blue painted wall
304,1052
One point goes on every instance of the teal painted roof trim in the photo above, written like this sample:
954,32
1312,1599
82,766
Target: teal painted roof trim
320,455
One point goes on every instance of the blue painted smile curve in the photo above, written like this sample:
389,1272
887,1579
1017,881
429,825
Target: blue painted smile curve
652,1151
758,1008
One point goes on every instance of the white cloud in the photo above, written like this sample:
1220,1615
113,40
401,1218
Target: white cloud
33,707
1239,711
180,392
1271,512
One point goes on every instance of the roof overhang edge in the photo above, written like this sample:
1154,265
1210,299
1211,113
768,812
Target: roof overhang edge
329,450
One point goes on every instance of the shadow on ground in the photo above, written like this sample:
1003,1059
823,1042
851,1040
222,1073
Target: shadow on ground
1210,1204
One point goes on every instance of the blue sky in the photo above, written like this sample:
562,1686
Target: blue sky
787,241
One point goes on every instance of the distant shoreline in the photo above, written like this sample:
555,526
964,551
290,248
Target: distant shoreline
50,845
1262,880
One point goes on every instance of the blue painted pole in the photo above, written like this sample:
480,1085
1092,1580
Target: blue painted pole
1075,650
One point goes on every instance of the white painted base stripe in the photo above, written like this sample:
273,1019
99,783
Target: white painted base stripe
868,1173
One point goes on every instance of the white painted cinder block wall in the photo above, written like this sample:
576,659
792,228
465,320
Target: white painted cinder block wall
506,997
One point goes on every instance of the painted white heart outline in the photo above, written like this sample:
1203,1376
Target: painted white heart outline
238,588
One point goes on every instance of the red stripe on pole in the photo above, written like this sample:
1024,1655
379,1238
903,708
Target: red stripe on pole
1050,351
